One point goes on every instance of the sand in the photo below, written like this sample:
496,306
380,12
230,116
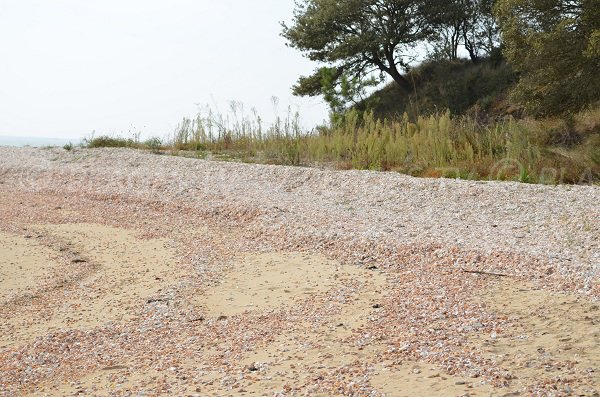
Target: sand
553,336
261,282
23,266
116,274
551,329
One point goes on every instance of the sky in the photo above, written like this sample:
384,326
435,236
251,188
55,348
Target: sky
70,67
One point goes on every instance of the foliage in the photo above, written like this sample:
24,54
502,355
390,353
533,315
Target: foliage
459,86
154,144
109,141
553,47
338,88
358,37
554,44
240,136
470,23
68,146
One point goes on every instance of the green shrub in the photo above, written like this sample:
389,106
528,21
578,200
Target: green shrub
154,144
108,141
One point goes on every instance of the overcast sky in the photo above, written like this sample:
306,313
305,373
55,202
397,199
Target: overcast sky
68,67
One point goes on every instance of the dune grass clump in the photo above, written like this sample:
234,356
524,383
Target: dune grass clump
241,137
153,144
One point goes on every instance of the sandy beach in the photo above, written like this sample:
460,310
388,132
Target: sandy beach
125,273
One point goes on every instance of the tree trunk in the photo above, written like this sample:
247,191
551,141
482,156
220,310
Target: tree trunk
392,70
400,80
470,47
474,57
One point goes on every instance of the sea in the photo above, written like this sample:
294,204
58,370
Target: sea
35,141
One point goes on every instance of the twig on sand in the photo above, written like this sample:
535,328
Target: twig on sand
486,273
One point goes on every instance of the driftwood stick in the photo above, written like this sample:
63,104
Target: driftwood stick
486,273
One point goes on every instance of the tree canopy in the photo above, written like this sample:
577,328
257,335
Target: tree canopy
555,45
470,23
354,38
357,37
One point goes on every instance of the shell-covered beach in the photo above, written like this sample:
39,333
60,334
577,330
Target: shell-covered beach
126,273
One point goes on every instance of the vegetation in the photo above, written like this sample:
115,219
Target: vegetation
555,45
548,151
154,144
357,37
552,45
459,86
354,38
523,106
109,141
470,23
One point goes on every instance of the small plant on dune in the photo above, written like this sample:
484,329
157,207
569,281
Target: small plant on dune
109,141
154,144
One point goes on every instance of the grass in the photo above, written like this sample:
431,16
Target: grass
109,141
153,144
549,151
459,86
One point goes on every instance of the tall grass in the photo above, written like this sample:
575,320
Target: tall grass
242,136
433,146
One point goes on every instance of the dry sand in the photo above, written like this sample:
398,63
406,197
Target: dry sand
23,265
114,274
184,278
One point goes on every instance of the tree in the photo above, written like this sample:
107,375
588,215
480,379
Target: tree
481,34
555,46
449,27
470,23
355,38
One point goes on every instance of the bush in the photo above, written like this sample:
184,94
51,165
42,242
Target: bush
154,144
108,141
